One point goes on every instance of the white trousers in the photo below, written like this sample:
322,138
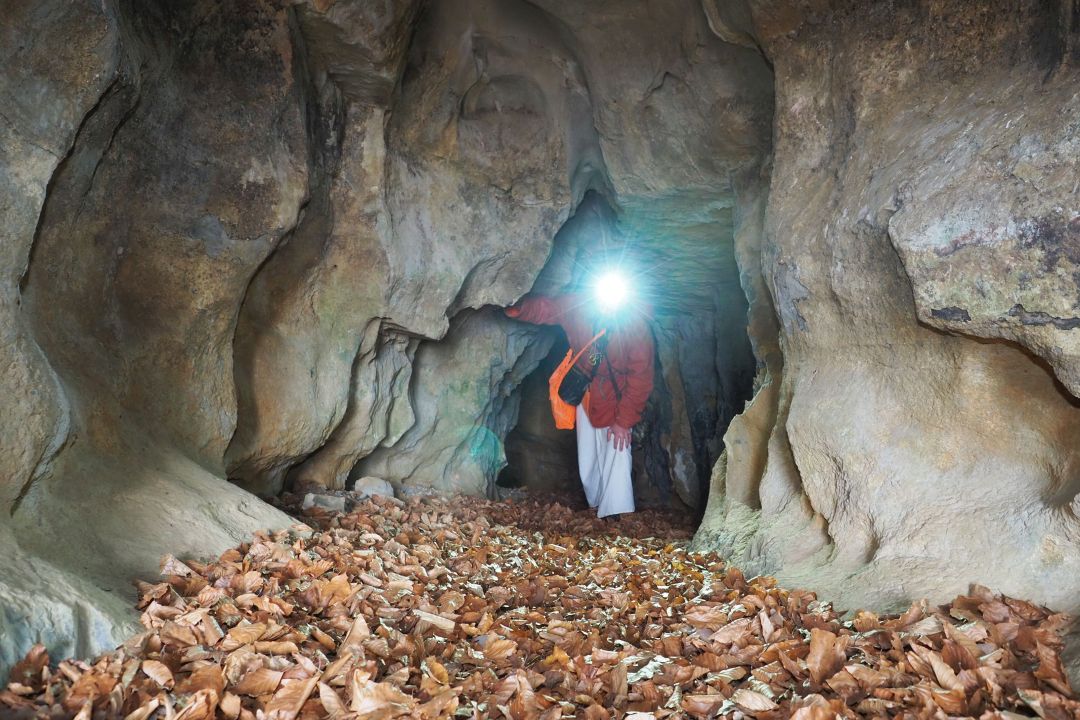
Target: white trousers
605,471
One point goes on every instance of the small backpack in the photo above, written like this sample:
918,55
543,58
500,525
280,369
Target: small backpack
569,384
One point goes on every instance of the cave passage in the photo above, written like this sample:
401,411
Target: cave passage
255,356
681,278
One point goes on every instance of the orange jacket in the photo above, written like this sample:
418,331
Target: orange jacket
629,350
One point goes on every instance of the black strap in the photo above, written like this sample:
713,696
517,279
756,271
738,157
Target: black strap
614,384
601,346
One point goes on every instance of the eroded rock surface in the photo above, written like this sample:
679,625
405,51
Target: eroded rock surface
126,265
921,202
465,404
451,203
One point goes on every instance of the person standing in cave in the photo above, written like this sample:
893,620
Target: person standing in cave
616,357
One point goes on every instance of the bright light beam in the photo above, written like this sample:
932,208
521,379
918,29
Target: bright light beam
611,291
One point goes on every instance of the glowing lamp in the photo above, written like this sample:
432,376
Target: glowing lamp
611,291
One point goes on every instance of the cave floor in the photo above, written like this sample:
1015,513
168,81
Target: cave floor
462,607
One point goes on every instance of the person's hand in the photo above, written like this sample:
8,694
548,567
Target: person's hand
620,436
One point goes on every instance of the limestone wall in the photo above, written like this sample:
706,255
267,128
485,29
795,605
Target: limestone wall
921,430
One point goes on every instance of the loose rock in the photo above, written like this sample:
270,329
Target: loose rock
328,502
372,486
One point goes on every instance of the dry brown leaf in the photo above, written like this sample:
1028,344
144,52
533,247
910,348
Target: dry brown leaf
844,684
596,712
499,649
243,634
171,566
944,674
86,711
29,670
711,617
442,705
703,705
953,702
281,647
868,678
733,631
332,703
290,698
158,672
814,712
230,706
260,681
826,656
241,661
1051,670
358,633
557,658
443,624
200,706
437,671
209,677
931,625
753,702
337,668
865,621
144,712
376,701
183,636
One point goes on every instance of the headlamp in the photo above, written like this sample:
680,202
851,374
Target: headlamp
611,290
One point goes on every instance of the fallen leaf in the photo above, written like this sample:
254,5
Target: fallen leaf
752,702
826,655
332,703
290,698
260,681
499,649
703,705
376,701
158,672
230,706
171,566
447,626
200,706
460,607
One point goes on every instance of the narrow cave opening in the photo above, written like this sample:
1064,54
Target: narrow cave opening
539,457
704,368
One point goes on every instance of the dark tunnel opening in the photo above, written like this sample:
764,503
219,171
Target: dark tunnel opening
538,456
704,364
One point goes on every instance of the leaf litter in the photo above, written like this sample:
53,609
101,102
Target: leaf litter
464,608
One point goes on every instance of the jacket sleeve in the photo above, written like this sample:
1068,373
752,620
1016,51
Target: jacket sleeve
544,310
639,380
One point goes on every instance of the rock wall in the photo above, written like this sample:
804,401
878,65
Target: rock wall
46,92
426,202
127,257
465,404
920,431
